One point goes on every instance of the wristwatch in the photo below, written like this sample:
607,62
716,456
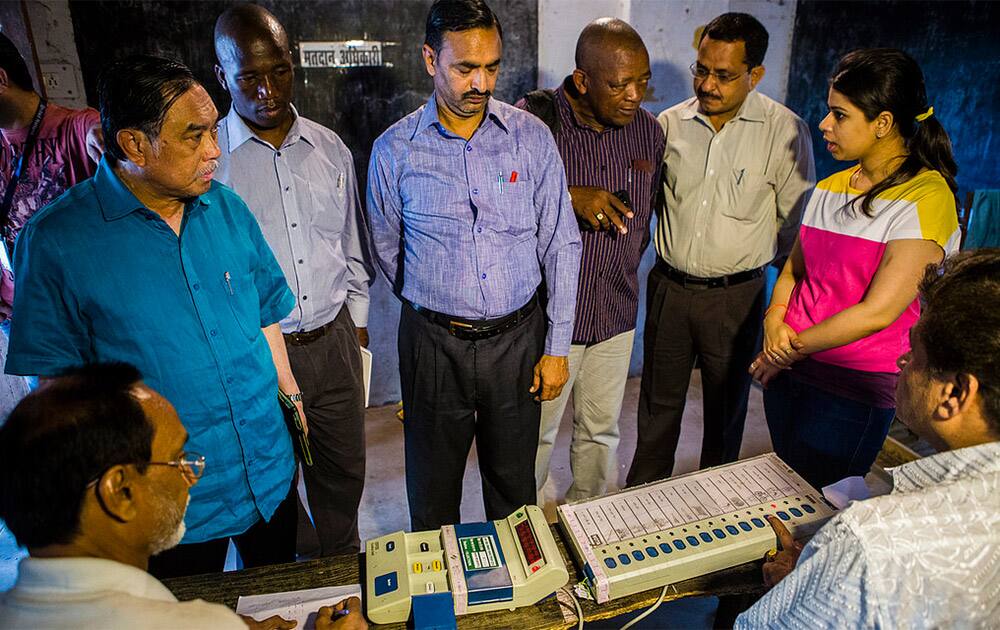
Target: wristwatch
296,397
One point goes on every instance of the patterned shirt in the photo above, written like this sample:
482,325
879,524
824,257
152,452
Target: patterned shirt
619,158
927,555
732,199
99,277
305,197
470,227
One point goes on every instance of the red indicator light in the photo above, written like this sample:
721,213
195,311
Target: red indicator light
533,569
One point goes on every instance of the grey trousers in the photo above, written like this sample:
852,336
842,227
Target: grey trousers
328,372
720,327
597,376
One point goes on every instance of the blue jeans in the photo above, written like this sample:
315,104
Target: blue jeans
823,437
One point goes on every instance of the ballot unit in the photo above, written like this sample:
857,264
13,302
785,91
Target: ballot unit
685,526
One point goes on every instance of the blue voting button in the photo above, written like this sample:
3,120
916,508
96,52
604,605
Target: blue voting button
610,563
386,583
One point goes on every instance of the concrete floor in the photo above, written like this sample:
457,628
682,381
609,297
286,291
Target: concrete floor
383,507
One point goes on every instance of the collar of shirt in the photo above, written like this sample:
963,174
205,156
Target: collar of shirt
240,131
946,467
568,114
118,201
751,110
429,117
62,577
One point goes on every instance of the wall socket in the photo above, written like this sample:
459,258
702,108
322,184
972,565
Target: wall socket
60,81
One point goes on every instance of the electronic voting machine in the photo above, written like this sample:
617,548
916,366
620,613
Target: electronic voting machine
672,530
500,564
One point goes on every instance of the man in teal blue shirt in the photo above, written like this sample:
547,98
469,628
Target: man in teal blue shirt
153,263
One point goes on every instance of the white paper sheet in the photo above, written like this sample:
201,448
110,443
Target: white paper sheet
299,606
366,371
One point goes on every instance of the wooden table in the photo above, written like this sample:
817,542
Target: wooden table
225,588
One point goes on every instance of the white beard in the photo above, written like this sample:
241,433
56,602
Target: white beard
172,528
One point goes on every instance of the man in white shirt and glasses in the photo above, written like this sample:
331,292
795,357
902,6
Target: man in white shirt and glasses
96,481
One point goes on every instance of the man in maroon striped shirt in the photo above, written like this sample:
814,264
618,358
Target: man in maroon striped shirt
612,150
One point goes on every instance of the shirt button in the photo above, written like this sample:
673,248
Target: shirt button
305,297
229,379
711,171
704,203
279,154
301,261
212,332
196,286
243,423
698,234
484,276
468,148
287,188
480,230
295,225
475,191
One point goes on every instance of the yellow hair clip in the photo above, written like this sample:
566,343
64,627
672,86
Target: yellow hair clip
925,115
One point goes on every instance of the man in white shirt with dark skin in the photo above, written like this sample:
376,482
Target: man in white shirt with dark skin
926,554
119,497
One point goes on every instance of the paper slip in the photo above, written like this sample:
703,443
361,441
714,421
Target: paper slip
366,371
300,606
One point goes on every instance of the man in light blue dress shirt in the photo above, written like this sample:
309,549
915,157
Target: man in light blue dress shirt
152,263
469,213
298,179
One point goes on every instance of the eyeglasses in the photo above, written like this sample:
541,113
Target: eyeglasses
191,465
701,73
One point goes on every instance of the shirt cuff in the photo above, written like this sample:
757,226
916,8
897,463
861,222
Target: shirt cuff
558,340
359,312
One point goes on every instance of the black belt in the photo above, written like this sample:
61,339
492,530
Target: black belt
475,329
684,279
306,337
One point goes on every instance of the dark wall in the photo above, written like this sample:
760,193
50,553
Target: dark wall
956,45
359,104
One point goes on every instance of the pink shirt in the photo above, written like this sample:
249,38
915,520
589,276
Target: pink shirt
843,248
58,162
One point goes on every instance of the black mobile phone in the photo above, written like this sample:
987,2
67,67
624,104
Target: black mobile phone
623,197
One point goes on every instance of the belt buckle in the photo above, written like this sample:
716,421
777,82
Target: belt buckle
454,328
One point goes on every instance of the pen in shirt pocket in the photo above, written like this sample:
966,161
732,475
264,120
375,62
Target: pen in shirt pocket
739,176
229,284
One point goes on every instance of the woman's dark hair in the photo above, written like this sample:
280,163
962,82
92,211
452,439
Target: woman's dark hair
740,27
458,15
959,326
61,438
880,80
136,93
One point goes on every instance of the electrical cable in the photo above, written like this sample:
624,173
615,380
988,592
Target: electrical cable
649,610
576,604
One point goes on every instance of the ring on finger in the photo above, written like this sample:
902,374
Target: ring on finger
599,216
769,556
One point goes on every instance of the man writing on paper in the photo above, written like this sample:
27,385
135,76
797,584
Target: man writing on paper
120,497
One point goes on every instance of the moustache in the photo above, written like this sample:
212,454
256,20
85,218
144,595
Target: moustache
208,168
485,94
709,96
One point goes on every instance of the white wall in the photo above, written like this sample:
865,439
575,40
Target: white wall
668,28
52,29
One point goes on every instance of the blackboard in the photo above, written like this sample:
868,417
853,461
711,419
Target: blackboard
956,45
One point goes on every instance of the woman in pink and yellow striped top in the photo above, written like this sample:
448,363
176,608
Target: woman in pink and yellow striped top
843,305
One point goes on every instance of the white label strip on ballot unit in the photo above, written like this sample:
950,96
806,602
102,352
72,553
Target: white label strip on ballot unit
647,510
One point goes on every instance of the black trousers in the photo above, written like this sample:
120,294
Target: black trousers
455,391
720,327
328,372
265,543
